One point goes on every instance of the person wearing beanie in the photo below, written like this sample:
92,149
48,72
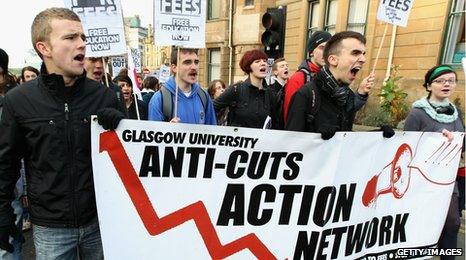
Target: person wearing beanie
309,67
436,113
46,122
250,103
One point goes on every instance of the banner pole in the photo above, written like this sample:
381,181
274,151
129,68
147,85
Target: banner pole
177,80
135,100
105,71
380,48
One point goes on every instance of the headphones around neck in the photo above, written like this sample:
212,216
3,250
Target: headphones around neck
447,110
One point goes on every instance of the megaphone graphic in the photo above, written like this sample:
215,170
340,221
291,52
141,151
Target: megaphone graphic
394,177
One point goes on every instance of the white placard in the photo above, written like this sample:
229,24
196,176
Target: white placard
103,26
164,73
117,63
183,191
136,55
395,11
180,23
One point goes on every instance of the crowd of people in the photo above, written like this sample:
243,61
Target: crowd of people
45,119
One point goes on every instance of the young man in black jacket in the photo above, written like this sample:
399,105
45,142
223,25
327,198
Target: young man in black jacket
326,104
46,122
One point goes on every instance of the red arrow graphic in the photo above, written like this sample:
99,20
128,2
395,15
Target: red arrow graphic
197,211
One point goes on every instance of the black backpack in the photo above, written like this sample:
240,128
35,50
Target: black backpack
281,99
243,92
167,102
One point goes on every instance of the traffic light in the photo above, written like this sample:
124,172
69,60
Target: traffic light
273,38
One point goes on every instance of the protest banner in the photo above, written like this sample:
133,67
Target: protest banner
133,74
395,12
179,23
103,26
182,191
136,55
118,63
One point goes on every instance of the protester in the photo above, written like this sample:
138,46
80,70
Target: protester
150,85
435,113
7,82
47,122
194,104
29,73
94,67
279,74
216,88
251,102
136,108
326,104
309,68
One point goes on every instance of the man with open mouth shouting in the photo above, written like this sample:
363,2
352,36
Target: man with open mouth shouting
46,121
194,104
326,103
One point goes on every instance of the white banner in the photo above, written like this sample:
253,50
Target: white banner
395,12
180,23
182,191
118,63
103,26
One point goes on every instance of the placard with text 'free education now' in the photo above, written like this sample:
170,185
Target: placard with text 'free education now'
180,23
182,191
103,26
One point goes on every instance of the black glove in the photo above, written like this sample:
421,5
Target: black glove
5,233
387,131
328,133
109,118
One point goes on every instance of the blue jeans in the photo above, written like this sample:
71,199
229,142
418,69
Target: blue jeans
68,243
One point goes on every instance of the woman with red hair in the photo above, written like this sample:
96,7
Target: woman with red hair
250,102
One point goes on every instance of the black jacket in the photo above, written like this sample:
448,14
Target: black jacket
142,107
248,105
48,125
330,114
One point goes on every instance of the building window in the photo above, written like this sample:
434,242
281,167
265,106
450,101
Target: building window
313,22
214,64
454,49
357,16
213,11
248,2
331,16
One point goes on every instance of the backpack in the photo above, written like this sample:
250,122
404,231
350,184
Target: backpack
167,102
314,105
244,94
281,99
232,108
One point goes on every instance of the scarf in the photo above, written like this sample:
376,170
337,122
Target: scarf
442,118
